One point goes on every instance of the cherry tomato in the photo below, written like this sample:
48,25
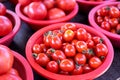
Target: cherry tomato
66,65
41,58
95,62
113,22
80,59
49,3
49,52
106,18
90,43
24,2
55,13
52,66
74,41
114,12
89,53
68,35
6,59
5,26
101,50
58,55
2,9
81,46
56,42
13,71
89,36
66,5
36,10
113,31
86,68
69,50
10,77
97,39
81,34
99,20
36,48
104,11
77,70
105,25
70,26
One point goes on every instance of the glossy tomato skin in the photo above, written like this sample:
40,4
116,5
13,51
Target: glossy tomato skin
5,26
95,62
114,12
55,13
68,35
6,59
105,25
58,55
36,10
66,5
56,42
101,50
2,9
81,46
70,50
80,59
52,66
24,2
10,77
86,68
49,3
113,22
66,65
77,70
42,59
81,34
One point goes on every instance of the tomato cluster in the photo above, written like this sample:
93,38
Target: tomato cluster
70,50
108,18
5,23
47,9
7,72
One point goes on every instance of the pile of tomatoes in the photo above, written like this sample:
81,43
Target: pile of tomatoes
7,72
5,23
108,18
47,9
70,50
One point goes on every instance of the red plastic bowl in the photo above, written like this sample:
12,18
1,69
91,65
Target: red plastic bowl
22,66
37,38
115,38
85,5
6,40
37,24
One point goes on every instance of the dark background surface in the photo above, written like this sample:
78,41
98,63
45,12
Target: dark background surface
20,40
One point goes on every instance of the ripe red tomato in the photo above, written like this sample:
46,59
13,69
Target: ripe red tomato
101,50
99,20
49,3
52,66
81,46
10,77
70,26
89,53
49,52
66,5
105,25
95,62
81,34
80,59
5,26
2,9
13,71
66,65
97,39
89,36
56,42
103,11
68,35
69,50
58,55
90,43
74,41
6,59
24,2
55,13
47,39
41,58
118,29
114,12
36,10
77,70
86,68
113,22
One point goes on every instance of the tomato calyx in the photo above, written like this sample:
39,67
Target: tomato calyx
34,55
48,33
